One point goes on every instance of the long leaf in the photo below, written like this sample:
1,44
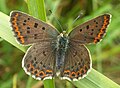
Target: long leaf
95,80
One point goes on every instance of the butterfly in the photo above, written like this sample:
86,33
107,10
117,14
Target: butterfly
51,51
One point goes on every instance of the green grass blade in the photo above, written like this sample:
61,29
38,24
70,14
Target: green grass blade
6,32
29,82
15,81
95,80
3,6
37,9
49,83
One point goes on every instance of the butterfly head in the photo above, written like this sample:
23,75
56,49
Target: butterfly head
64,34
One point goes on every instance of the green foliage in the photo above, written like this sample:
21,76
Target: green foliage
36,8
108,50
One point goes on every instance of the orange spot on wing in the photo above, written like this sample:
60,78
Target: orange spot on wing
37,75
18,33
44,75
102,30
31,67
71,75
67,71
85,69
22,39
16,29
37,72
48,70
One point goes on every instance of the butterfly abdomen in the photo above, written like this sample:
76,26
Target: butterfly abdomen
62,44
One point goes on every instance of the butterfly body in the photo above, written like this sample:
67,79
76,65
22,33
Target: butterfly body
52,51
62,45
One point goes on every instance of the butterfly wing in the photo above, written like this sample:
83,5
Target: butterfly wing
77,62
91,31
30,30
39,61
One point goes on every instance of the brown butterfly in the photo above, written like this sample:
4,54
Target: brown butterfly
52,51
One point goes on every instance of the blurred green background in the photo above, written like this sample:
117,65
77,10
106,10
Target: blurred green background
105,55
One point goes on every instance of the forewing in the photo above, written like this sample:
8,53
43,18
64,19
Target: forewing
39,61
77,63
91,31
30,30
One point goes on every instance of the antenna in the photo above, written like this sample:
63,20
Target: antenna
58,22
80,14
76,19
